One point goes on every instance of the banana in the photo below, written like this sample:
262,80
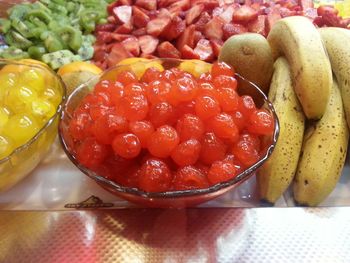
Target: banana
298,39
323,154
337,42
278,172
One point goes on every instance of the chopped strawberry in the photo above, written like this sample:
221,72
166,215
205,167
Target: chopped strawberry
305,4
103,37
165,3
318,21
309,13
204,50
153,14
140,19
244,15
118,53
120,37
100,55
208,4
216,46
331,19
131,44
111,6
233,29
122,14
167,50
197,36
111,20
186,38
163,12
228,13
217,11
258,25
285,12
193,13
175,29
323,9
213,29
204,18
140,32
272,18
148,44
105,27
178,6
259,8
188,53
124,29
156,26
124,2
148,56
147,4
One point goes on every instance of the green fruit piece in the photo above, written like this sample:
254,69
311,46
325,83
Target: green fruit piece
40,14
60,9
5,25
86,52
14,38
71,36
36,52
59,58
52,43
39,5
18,11
70,6
13,53
21,27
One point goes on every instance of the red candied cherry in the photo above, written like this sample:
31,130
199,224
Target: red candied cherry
106,127
178,72
161,114
213,149
232,159
102,86
183,89
261,122
79,126
158,91
126,77
206,107
189,178
98,111
246,150
134,89
203,168
143,130
223,126
163,141
90,153
228,99
221,68
239,119
251,139
116,91
134,108
190,126
205,88
151,74
183,108
155,176
186,153
205,77
221,171
168,75
225,81
246,105
127,145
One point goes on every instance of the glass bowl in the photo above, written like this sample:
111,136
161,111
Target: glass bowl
169,199
26,157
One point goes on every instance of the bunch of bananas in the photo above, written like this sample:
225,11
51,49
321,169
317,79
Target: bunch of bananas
310,90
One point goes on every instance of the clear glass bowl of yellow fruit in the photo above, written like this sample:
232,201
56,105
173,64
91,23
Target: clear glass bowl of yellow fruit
31,99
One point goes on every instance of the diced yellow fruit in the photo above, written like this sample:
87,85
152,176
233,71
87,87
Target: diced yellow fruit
21,128
79,66
53,95
4,117
195,67
7,81
42,109
6,146
33,61
20,96
34,79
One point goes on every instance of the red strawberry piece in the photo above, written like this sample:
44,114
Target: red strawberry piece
163,12
209,5
111,6
153,14
244,15
204,50
258,25
148,44
318,21
331,19
118,53
233,29
178,6
309,13
140,19
272,18
204,18
148,56
103,37
165,3
186,38
131,44
197,36
259,8
124,29
285,12
193,13
105,27
228,13
100,55
120,37
122,14
156,26
323,9
147,4
140,32
188,53
124,2
305,4
175,29
213,29
217,11
216,45
167,50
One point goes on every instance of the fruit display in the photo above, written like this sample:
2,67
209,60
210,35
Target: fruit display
30,103
56,32
169,130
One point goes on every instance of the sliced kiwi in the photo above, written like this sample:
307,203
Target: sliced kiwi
13,53
22,28
71,36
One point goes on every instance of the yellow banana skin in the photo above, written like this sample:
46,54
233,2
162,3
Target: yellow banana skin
299,41
278,172
337,42
323,154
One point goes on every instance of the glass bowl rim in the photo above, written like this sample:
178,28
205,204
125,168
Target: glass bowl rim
168,194
59,108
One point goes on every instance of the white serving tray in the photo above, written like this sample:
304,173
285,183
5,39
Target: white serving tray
57,182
